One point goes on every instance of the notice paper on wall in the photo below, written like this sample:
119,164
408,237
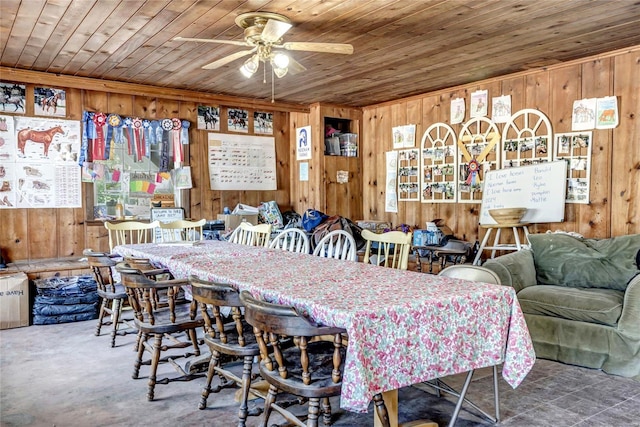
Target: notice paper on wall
241,162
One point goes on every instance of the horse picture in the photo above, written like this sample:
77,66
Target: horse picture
13,96
237,120
50,102
39,136
208,118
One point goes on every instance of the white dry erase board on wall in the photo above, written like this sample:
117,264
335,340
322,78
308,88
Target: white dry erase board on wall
539,188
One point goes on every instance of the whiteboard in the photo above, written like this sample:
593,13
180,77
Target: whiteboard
539,188
241,162
165,215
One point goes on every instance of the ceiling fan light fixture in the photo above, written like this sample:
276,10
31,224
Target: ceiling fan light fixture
280,60
279,72
250,66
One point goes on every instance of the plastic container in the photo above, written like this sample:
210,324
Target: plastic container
349,144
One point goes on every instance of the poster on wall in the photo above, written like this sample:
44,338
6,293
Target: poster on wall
208,118
49,101
390,194
457,110
404,136
583,116
241,162
263,123
607,112
39,163
12,97
303,143
237,120
479,101
501,109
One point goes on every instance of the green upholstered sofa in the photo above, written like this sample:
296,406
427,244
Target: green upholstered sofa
580,298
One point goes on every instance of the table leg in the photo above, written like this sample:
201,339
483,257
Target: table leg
391,402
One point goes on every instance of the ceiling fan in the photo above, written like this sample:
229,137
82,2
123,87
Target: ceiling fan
263,33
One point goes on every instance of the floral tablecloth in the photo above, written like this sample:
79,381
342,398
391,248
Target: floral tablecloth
404,327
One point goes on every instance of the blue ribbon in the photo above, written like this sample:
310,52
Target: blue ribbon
159,132
153,131
89,133
146,131
164,151
184,132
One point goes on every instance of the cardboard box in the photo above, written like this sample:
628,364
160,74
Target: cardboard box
14,301
231,221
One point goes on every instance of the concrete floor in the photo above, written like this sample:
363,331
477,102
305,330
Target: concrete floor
63,375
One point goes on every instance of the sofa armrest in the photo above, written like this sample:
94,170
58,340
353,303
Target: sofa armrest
630,318
515,269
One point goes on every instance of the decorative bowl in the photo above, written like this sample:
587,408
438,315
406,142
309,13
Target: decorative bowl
507,215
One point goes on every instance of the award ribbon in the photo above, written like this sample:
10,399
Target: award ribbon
87,135
184,137
175,139
99,119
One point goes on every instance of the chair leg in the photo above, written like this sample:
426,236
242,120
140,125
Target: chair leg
142,337
155,360
271,398
213,362
116,308
314,411
103,310
381,410
194,340
496,395
326,411
243,412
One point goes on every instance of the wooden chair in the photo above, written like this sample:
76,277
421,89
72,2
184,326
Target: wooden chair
228,335
292,240
130,232
158,317
337,244
182,230
476,274
392,248
311,369
251,235
112,294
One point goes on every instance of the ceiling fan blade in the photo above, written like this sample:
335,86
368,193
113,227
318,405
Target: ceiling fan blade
188,39
273,30
295,67
342,48
224,61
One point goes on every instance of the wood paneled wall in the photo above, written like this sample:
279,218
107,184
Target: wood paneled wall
615,175
29,234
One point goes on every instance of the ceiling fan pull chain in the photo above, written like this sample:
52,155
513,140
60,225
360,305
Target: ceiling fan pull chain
273,85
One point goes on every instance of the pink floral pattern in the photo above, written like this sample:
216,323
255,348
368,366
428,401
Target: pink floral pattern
404,327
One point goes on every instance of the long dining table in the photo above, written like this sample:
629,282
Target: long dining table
404,327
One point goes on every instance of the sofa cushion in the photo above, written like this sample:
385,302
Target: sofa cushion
602,306
561,259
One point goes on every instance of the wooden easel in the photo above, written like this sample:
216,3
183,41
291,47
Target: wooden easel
496,241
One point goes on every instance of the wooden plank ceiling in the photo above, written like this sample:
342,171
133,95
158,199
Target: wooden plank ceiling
401,47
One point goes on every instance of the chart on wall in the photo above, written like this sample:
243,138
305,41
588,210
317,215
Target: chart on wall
39,163
241,162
